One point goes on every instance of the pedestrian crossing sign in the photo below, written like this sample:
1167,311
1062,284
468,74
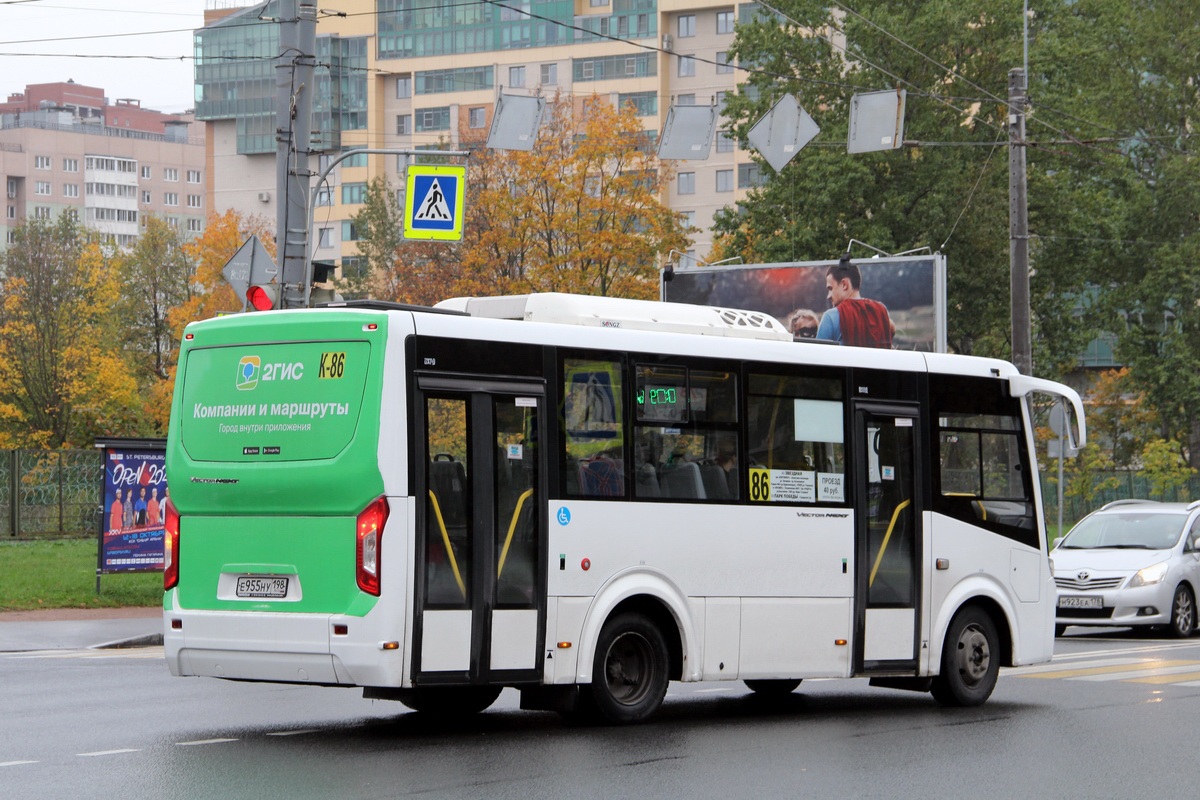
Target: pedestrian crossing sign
433,202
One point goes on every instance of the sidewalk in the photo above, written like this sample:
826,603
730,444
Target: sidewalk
76,628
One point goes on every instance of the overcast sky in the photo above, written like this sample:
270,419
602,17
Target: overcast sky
38,38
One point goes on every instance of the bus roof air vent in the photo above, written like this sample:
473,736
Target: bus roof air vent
617,312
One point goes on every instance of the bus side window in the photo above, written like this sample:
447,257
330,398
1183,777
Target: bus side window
796,433
592,417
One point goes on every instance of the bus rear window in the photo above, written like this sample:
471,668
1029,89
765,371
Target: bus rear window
272,402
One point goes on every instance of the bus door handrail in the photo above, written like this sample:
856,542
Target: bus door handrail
512,526
437,510
886,536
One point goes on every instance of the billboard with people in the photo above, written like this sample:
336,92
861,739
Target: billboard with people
135,496
895,302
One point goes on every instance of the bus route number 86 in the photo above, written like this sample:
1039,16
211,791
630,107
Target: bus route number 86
760,485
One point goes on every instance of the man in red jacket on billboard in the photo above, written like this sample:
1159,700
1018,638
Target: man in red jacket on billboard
853,319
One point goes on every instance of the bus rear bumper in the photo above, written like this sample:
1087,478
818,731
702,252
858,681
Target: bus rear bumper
280,648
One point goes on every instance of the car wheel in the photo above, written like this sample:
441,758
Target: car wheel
970,660
772,688
629,673
1183,613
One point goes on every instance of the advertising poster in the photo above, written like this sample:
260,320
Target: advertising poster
135,494
907,294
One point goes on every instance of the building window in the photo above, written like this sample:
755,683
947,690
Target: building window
12,236
687,219
720,97
171,174
195,225
70,165
41,162
146,173
403,87
12,212
349,232
476,117
723,65
353,193
724,142
645,103
749,176
41,212
685,100
12,188
146,198
686,183
324,196
549,74
687,25
193,201
687,66
433,119
724,22
598,3
171,199
193,176
516,77
42,188
724,180
70,190
325,237
403,124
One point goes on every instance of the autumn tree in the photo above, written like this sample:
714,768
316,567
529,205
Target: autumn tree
579,213
155,276
63,376
207,295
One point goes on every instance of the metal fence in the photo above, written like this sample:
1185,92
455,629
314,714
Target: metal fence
50,493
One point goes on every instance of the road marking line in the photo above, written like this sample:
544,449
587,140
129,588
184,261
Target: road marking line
109,752
1166,676
204,741
293,733
1048,670
1113,672
15,763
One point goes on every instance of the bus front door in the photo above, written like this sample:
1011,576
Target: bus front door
479,587
888,532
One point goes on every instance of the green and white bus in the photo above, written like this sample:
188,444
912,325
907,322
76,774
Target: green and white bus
585,498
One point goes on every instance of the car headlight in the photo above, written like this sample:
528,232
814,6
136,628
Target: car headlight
1149,575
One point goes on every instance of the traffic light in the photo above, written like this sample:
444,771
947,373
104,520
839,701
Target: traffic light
262,297
321,274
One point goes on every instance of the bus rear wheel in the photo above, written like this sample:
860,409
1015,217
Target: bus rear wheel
450,701
629,673
970,660
772,688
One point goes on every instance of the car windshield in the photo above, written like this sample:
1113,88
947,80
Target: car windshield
1127,530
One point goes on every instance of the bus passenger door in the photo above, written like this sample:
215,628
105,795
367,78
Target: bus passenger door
479,580
888,532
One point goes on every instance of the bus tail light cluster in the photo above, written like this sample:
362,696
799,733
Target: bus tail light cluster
170,546
369,533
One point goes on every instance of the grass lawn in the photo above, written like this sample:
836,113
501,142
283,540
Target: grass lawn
62,574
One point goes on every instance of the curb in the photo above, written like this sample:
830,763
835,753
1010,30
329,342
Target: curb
148,640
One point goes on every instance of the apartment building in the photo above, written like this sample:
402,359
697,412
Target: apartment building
67,147
419,73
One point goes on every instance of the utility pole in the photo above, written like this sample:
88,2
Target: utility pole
1018,224
294,85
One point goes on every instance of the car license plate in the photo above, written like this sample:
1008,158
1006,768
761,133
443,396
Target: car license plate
1075,601
262,586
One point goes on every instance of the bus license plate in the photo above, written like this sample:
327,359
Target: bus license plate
1080,602
255,586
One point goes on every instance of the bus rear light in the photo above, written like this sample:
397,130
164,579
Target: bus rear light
170,546
369,534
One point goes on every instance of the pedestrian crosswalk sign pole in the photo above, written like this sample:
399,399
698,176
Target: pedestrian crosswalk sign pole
433,202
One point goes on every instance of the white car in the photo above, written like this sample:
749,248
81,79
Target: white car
1131,563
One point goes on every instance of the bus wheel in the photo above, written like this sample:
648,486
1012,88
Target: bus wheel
629,673
970,660
772,688
452,701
